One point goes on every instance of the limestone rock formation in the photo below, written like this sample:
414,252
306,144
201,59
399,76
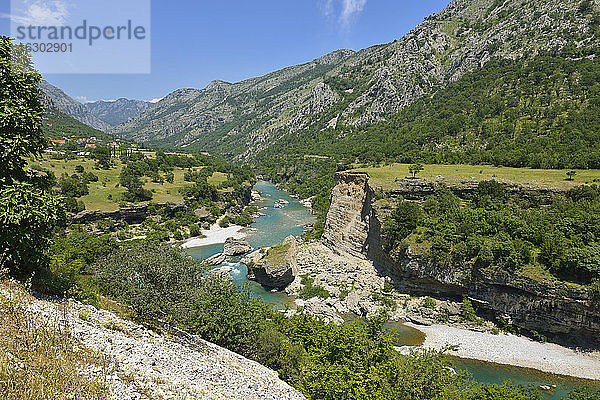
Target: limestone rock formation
236,247
353,227
161,366
217,259
277,267
349,218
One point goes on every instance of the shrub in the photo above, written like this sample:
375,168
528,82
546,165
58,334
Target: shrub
309,290
468,311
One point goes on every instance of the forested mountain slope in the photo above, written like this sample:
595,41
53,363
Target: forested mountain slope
345,90
71,107
542,112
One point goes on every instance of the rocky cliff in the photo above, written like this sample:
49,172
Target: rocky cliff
56,98
353,227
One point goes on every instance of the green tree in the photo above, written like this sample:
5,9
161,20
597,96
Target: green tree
102,156
28,214
130,180
415,169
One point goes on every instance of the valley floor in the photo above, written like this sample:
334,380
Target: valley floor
513,350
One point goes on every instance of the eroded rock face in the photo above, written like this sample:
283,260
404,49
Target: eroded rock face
277,267
353,227
236,247
349,217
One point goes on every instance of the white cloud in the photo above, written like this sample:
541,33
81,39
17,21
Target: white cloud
342,12
350,10
82,99
327,8
41,13
156,100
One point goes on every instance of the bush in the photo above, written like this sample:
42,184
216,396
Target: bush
468,312
309,290
595,291
195,230
583,395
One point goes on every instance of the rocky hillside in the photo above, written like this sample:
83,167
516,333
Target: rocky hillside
353,227
117,111
142,364
346,89
58,99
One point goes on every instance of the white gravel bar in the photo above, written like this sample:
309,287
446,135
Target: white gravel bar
513,350
215,235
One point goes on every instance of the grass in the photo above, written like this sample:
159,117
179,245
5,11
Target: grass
276,254
385,177
39,359
108,183
217,178
310,290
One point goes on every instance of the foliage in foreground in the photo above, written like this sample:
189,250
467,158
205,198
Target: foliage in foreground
325,361
27,212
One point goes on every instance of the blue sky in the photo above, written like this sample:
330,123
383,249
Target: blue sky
196,41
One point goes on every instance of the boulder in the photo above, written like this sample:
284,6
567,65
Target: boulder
277,267
217,259
223,272
236,247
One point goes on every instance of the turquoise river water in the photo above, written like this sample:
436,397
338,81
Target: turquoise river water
278,223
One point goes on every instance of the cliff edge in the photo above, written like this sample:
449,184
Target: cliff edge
353,227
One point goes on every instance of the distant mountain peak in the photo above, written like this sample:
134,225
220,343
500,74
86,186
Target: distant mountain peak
73,108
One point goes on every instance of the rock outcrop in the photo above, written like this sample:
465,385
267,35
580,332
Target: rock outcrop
143,364
277,267
350,215
236,247
353,227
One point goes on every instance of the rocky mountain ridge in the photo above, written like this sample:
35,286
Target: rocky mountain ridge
117,111
346,89
56,98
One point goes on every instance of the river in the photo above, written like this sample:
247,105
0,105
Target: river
278,223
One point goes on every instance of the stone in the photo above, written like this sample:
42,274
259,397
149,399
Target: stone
353,228
223,272
277,267
217,259
236,247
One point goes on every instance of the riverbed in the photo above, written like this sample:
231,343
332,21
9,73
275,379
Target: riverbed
275,224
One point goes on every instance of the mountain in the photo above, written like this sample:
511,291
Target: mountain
117,111
345,90
57,125
258,105
71,107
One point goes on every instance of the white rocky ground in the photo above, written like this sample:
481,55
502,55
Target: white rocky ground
513,350
215,235
146,365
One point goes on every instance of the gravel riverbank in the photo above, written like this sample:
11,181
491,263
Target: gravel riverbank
513,350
